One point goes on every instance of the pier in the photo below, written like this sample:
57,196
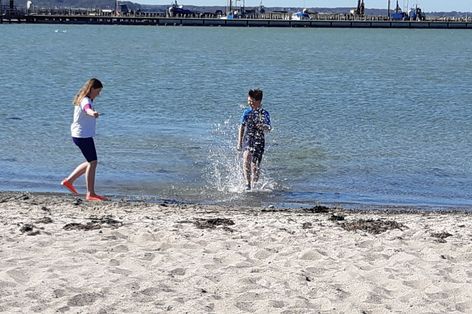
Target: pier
9,13
242,22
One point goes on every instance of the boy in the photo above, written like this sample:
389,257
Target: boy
254,123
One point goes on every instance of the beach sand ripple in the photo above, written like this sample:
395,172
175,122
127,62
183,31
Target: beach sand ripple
58,254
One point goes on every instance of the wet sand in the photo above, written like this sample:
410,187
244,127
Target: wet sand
62,254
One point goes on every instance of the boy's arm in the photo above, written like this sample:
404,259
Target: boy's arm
240,137
266,125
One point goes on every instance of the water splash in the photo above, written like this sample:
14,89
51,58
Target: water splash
225,173
225,162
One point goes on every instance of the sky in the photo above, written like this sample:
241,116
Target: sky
426,5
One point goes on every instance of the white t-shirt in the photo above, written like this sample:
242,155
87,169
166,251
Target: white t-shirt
83,125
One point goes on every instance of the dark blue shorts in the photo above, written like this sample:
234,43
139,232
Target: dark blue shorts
255,146
87,147
256,153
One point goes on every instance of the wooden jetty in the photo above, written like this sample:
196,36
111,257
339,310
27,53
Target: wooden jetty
157,20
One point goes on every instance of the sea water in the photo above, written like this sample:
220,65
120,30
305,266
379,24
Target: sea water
360,116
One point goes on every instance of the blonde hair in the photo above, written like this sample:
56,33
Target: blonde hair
85,90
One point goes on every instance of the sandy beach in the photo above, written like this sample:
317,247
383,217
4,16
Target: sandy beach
60,254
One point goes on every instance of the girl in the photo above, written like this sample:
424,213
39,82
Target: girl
83,131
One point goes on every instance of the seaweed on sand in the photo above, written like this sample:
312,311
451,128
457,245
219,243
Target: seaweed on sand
372,226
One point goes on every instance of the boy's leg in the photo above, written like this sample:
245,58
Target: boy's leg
247,160
256,170
256,162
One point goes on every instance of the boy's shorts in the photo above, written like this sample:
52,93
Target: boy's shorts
87,147
256,153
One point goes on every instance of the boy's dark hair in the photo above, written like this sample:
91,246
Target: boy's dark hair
256,94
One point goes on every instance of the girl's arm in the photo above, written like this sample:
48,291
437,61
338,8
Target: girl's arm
88,110
92,113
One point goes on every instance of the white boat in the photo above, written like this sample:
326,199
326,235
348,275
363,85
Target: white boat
301,15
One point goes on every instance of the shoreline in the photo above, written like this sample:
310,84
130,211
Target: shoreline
260,199
59,253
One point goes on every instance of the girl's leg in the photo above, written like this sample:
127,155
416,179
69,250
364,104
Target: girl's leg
90,177
69,181
80,170
90,181
87,146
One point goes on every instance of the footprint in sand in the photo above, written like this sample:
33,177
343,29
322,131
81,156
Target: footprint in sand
444,295
245,306
59,293
133,285
120,271
341,293
276,304
416,284
310,255
149,256
374,299
150,292
120,249
19,275
249,283
178,272
263,254
84,299
469,274
114,262
464,307
6,289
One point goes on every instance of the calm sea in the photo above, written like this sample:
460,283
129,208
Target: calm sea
360,116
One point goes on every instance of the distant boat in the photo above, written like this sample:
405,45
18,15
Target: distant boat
243,12
232,15
301,15
416,14
176,9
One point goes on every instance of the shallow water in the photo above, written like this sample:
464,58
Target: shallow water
360,116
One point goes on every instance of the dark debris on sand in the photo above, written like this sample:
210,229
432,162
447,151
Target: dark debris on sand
441,236
212,223
23,197
79,226
94,224
317,209
7,197
372,226
336,217
307,225
44,220
77,201
107,220
29,229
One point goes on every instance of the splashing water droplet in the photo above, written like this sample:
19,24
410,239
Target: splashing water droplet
225,170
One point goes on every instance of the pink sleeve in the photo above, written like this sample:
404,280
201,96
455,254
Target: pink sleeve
87,107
